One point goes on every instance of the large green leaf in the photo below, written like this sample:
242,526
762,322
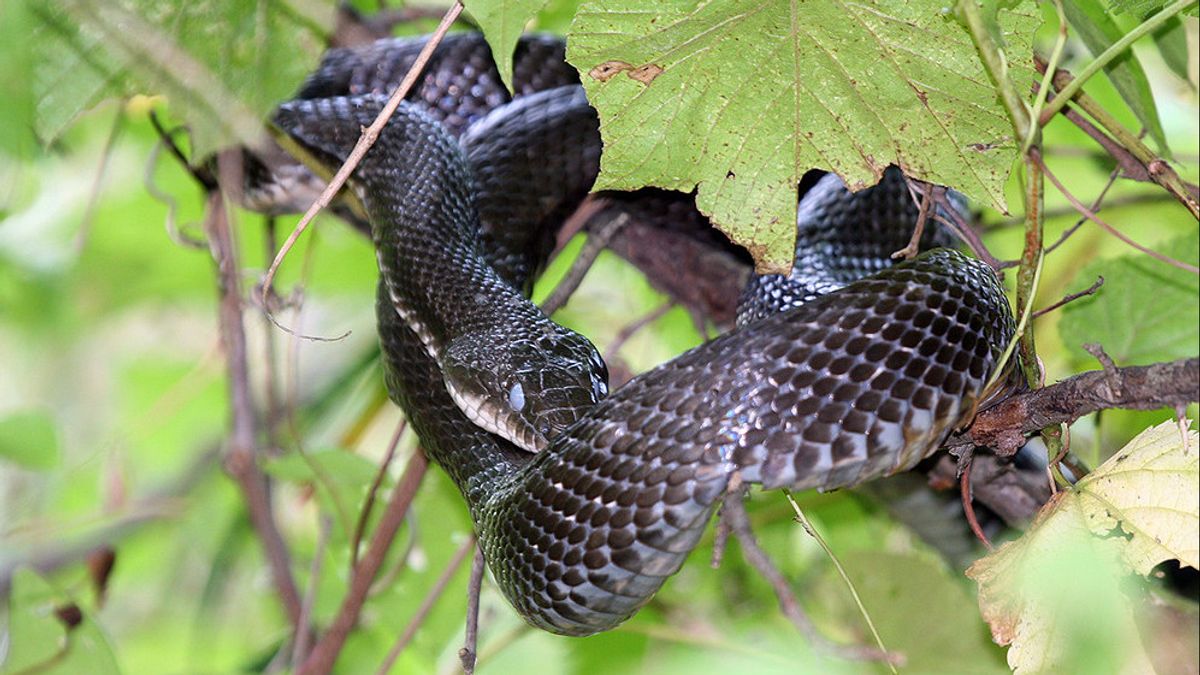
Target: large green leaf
16,55
222,64
1145,312
741,97
1098,31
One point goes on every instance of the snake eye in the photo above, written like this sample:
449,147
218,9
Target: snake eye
599,388
516,397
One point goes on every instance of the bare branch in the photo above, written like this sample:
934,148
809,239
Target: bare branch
1109,228
596,242
241,460
467,655
1071,297
1162,385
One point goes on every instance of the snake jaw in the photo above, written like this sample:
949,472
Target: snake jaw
484,412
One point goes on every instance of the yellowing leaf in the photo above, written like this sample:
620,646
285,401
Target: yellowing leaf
1055,595
741,97
1149,491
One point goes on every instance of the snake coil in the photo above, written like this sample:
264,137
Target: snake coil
852,385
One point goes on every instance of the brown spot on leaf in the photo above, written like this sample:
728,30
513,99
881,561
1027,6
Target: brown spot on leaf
607,70
646,74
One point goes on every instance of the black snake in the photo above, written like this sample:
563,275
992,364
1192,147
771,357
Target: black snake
847,386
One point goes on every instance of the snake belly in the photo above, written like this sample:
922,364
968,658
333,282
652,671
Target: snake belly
853,385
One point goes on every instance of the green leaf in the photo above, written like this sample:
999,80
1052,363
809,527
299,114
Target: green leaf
1142,8
1145,312
342,478
39,642
1055,594
16,53
35,634
222,64
896,587
502,22
741,97
28,439
1098,31
1172,44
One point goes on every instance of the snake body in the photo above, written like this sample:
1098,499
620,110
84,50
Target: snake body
852,385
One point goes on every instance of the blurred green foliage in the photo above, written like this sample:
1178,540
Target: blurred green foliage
114,387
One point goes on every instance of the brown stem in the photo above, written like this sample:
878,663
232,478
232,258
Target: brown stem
469,652
326,651
914,242
1158,170
968,505
596,242
1070,297
364,515
1079,206
1162,385
241,460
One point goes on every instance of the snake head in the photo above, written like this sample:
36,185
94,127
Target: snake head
528,387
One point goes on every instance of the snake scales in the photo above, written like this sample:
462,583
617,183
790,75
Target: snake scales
847,386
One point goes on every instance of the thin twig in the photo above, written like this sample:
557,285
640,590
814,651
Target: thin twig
630,329
241,460
595,243
427,604
365,513
1071,297
964,482
1091,215
1152,166
173,231
1096,204
326,651
469,652
369,135
914,242
892,659
735,512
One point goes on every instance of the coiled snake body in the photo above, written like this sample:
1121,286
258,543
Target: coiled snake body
849,386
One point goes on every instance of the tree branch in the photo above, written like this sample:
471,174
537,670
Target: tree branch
1003,426
241,460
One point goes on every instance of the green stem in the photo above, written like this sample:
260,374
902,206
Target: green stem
837,564
1048,77
997,68
1113,51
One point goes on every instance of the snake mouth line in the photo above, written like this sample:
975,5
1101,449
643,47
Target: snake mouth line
493,418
